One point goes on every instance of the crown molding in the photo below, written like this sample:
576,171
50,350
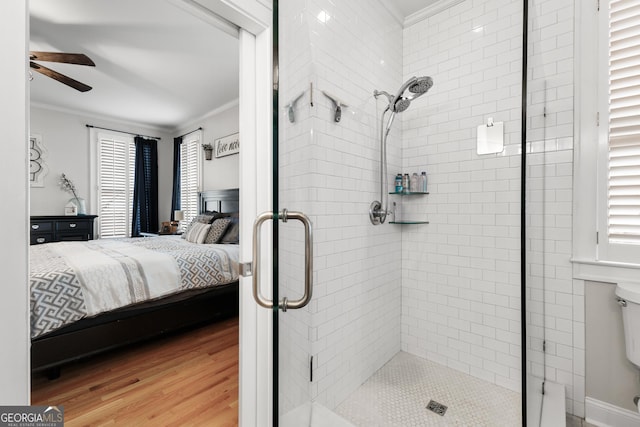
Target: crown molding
393,10
429,11
149,127
102,117
198,121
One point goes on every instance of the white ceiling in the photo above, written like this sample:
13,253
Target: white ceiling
156,63
408,7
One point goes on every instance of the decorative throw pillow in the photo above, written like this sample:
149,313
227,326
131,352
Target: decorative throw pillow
232,235
206,218
218,227
197,232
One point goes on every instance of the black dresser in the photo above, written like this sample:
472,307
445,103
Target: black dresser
57,228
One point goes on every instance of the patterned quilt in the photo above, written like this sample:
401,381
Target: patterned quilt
73,280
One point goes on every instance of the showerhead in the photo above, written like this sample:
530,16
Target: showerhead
420,85
416,86
401,105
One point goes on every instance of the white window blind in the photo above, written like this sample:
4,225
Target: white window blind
116,166
189,175
624,122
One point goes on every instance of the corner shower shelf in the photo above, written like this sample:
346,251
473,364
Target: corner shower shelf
408,193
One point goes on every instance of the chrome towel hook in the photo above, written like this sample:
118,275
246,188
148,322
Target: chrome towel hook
338,105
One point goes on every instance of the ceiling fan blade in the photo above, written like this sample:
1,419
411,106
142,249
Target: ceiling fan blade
67,58
60,77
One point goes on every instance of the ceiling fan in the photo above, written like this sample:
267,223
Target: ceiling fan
67,58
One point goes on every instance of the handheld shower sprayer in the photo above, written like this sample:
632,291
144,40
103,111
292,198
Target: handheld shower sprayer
410,90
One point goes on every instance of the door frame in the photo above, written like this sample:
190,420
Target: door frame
255,163
254,19
15,365
256,186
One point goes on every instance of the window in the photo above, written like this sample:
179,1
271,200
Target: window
623,193
190,175
115,174
596,255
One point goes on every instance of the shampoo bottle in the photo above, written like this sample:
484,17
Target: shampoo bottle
415,186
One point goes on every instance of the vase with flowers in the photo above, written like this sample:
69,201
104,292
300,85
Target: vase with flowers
67,185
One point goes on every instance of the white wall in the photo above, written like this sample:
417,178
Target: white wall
222,172
331,172
66,140
611,376
461,281
15,365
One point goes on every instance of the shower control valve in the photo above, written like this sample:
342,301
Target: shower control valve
377,215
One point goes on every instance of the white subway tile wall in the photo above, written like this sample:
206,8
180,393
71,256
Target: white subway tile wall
296,156
331,171
461,273
555,300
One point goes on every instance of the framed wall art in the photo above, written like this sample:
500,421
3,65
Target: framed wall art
37,161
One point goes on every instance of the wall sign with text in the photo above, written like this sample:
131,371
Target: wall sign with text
227,145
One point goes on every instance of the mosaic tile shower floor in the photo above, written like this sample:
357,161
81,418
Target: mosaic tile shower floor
397,396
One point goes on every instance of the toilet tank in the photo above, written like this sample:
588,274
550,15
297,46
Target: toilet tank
629,298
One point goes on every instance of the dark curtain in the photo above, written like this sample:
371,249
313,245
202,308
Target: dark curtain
145,188
175,199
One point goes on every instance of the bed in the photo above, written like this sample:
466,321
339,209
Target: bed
90,297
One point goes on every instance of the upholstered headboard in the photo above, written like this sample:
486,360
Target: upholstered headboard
219,200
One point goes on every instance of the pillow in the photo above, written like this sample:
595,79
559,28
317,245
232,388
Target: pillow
197,232
232,236
218,227
206,218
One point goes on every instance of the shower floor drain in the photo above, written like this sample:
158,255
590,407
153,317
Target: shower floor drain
436,407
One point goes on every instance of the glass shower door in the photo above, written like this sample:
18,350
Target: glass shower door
291,223
299,211
381,290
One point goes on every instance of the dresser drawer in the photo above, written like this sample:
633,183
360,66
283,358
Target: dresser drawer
41,226
39,238
73,237
72,226
56,228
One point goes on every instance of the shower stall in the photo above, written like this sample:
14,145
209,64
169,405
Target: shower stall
461,309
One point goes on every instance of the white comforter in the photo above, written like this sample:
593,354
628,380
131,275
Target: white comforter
73,280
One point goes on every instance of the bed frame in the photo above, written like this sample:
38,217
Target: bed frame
129,325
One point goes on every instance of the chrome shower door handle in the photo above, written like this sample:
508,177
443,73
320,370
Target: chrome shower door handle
257,295
308,260
284,303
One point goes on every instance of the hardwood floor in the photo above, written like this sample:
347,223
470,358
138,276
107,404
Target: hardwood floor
189,379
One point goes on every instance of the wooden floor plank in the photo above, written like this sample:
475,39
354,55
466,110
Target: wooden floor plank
189,379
